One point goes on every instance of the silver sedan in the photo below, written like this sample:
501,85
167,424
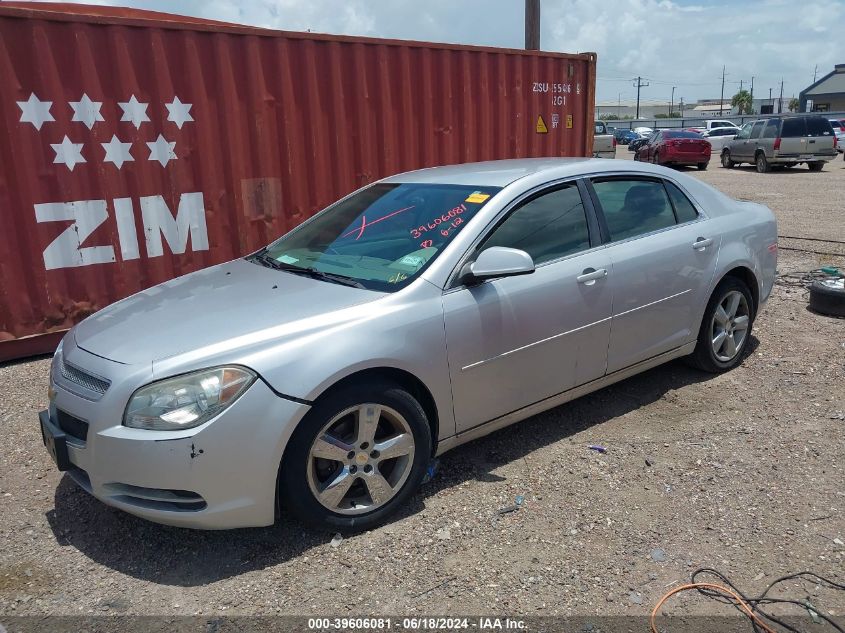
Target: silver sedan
321,375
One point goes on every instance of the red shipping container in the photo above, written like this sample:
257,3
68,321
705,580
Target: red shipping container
138,146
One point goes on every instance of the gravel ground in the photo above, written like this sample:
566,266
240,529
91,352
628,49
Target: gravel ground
742,472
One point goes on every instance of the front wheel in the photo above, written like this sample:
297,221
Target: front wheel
702,166
356,457
725,327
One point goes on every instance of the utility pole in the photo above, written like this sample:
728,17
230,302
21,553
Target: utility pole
752,95
740,92
639,85
532,25
815,71
772,103
722,98
682,107
780,100
672,101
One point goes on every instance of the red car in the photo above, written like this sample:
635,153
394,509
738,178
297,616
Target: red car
676,147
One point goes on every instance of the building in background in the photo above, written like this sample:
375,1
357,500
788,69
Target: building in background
827,94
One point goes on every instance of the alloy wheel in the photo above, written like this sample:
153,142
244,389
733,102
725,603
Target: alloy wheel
360,460
730,326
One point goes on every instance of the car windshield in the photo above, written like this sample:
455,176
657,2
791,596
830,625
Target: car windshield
381,237
681,135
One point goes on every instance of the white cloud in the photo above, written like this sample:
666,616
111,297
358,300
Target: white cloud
680,43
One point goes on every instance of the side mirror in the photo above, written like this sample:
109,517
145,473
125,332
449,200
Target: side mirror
497,261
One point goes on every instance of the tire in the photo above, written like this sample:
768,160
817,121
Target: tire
303,474
705,356
702,166
816,165
726,160
762,163
827,298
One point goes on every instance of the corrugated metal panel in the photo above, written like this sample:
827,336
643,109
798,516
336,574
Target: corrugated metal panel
241,133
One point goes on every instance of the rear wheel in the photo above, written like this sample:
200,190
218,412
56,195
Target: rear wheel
702,166
762,163
725,327
726,160
356,457
816,165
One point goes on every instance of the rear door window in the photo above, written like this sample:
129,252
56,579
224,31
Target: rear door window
771,130
633,207
758,127
793,128
817,126
684,209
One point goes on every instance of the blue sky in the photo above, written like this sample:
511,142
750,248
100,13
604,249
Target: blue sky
681,43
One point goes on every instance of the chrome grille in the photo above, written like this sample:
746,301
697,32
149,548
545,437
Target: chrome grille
83,379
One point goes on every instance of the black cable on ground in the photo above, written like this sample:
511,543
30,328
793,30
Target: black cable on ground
763,598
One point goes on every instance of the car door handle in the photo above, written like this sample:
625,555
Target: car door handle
590,275
701,243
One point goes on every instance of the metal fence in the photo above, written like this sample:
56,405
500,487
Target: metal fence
629,124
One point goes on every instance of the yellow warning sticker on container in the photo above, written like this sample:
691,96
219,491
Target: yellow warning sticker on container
541,125
477,197
569,120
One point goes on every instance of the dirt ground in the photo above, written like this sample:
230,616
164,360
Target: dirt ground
742,472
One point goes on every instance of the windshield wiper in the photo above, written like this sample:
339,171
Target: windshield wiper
271,262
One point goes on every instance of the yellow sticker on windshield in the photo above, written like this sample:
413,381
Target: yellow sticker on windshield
477,197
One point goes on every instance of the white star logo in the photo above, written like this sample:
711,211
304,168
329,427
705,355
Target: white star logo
178,112
117,152
68,153
86,111
134,111
162,150
35,111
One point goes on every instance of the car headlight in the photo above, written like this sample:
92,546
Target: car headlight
187,401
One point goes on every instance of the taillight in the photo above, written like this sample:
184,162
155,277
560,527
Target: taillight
834,141
777,143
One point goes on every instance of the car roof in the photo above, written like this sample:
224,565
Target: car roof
500,173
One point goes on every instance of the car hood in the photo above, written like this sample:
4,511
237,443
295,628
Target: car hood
207,307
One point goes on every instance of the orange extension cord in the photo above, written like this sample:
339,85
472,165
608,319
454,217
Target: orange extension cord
719,588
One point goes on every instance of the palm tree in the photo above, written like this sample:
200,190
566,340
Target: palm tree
794,104
742,100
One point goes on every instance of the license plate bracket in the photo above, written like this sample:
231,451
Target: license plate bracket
805,157
55,441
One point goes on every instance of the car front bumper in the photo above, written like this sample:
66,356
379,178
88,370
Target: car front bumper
222,474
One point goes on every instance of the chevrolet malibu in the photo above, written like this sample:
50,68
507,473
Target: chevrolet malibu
322,374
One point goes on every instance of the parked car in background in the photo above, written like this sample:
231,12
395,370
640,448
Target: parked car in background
712,124
719,137
604,143
644,131
321,375
637,143
624,136
675,147
839,129
785,142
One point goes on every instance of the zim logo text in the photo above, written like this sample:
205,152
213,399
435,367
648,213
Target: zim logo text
67,250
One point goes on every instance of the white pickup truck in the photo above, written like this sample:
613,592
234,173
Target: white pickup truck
604,143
